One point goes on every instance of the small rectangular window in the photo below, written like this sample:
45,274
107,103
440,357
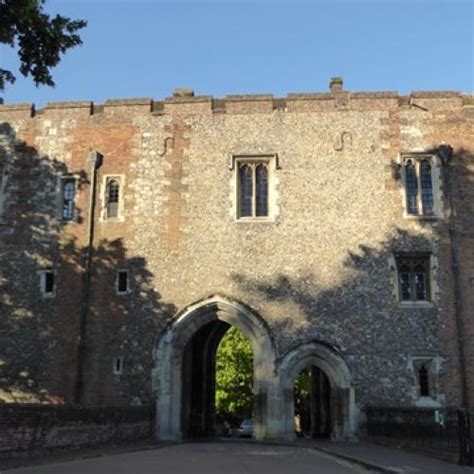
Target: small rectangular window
68,193
423,381
47,279
122,281
413,277
49,282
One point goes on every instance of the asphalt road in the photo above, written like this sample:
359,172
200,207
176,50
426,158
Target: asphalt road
206,458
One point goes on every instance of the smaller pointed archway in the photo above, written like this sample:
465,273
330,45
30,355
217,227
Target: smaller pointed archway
184,375
341,404
312,403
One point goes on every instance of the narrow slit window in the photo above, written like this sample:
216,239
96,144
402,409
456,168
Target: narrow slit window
423,381
118,365
113,196
49,281
122,281
68,195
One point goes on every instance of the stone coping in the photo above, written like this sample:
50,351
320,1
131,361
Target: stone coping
129,102
72,104
218,104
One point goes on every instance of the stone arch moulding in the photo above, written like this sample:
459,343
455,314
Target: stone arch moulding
344,412
167,375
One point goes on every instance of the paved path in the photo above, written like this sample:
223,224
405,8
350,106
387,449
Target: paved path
206,458
389,460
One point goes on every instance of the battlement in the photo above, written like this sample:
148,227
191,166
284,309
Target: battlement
185,102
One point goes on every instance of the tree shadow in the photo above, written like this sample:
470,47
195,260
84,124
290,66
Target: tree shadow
361,316
40,334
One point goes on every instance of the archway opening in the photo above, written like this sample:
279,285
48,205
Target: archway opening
334,411
312,403
217,381
184,372
234,384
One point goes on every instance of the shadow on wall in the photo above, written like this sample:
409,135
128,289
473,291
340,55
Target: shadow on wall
362,318
40,327
39,333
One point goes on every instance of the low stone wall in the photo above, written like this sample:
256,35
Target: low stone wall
38,427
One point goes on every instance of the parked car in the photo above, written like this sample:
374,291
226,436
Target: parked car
245,429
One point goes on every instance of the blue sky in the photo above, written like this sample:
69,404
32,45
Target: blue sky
139,48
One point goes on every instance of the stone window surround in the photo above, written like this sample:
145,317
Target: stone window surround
272,160
117,291
59,193
433,364
433,289
435,179
106,178
42,282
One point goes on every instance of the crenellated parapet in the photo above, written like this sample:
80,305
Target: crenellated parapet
185,102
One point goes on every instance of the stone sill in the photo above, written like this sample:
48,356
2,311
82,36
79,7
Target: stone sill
422,218
427,402
416,305
255,220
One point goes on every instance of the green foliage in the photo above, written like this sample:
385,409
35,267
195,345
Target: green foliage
303,384
302,398
234,376
39,39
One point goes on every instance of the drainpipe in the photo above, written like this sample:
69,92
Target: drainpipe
445,152
95,162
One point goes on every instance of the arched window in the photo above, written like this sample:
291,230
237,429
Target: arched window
411,187
426,187
423,381
253,189
261,175
245,189
113,196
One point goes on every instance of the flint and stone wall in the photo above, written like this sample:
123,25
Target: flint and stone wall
322,269
26,428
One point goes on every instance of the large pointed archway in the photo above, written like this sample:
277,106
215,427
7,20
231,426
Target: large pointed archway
194,336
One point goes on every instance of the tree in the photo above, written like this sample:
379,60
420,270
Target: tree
234,376
39,39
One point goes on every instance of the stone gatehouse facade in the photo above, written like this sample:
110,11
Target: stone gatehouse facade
335,229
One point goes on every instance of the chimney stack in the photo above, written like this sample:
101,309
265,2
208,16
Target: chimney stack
183,92
336,84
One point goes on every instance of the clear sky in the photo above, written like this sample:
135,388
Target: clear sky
139,48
